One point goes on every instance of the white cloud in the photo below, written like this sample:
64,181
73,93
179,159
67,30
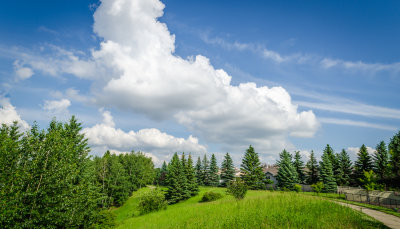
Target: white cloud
148,140
57,107
8,114
356,123
21,72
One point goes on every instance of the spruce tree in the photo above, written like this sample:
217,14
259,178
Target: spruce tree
214,177
205,171
345,168
287,175
363,163
381,161
312,166
185,182
163,174
176,181
191,177
326,174
299,166
199,172
252,173
394,149
227,170
334,160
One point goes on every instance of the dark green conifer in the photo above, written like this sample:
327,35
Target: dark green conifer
191,177
205,171
176,181
326,173
252,173
287,176
214,177
227,170
345,168
299,166
312,166
363,163
199,172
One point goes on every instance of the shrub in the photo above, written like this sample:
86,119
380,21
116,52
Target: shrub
237,188
151,201
297,187
105,219
211,196
318,187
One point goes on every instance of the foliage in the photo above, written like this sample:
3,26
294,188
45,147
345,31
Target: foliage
370,181
227,170
312,166
190,173
211,196
381,161
326,174
363,163
237,188
163,174
297,187
394,149
205,171
214,177
318,187
152,201
105,219
287,175
176,181
345,168
199,172
334,161
299,166
252,173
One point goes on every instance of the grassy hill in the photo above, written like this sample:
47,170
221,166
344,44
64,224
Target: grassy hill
259,209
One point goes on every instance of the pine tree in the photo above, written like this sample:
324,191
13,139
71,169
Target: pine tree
326,173
394,149
199,172
287,176
363,163
191,177
334,160
312,166
214,177
381,161
176,181
185,182
299,166
227,170
163,174
252,173
205,171
345,168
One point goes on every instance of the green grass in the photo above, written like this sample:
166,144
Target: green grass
340,198
259,209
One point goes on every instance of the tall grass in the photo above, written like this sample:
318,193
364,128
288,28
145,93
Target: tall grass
259,209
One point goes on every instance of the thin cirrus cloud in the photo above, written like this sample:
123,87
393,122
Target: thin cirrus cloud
136,69
356,123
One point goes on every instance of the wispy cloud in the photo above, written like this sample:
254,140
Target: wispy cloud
347,122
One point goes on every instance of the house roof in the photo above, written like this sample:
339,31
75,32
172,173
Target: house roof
273,169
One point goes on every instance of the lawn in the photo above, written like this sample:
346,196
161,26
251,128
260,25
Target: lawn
259,209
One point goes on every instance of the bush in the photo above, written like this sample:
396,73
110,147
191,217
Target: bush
211,196
297,187
237,188
151,201
105,219
318,187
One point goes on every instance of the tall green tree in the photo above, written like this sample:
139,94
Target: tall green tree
326,174
334,160
227,170
205,171
299,166
214,177
287,175
176,181
381,161
163,174
251,169
312,167
394,149
363,163
191,176
345,168
199,172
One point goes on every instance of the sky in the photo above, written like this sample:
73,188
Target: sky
205,76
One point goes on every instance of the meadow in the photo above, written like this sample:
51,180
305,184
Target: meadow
259,209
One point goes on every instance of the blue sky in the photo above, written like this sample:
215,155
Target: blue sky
325,72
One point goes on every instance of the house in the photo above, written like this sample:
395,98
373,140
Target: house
270,172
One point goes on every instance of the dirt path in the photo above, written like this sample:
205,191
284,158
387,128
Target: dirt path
389,220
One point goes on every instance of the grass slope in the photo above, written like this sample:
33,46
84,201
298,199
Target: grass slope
259,209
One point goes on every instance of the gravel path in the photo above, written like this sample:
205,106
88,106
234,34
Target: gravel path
389,220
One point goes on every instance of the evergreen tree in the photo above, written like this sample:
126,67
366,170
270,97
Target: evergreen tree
163,174
227,170
326,173
191,177
299,166
199,172
205,171
287,176
186,185
381,161
394,149
214,177
363,163
312,166
334,160
176,181
252,173
345,168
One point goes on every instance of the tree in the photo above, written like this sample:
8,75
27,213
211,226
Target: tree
312,166
345,168
363,163
214,177
199,172
227,170
191,177
252,173
205,171
394,149
381,161
163,174
299,166
176,181
334,160
326,174
237,188
287,175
